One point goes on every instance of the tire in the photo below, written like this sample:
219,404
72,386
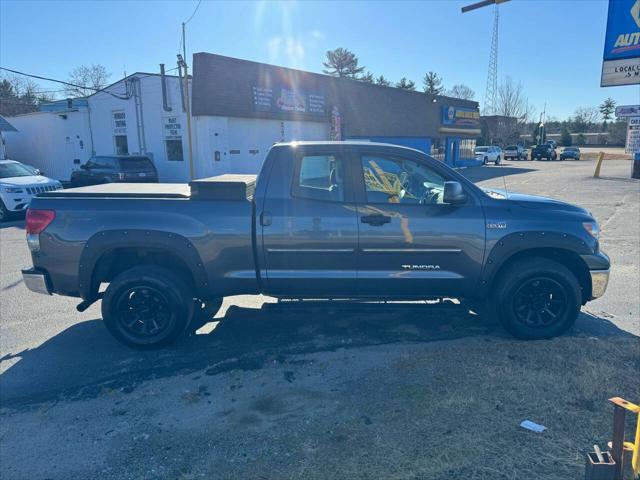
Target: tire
147,307
532,287
485,160
497,162
204,313
5,215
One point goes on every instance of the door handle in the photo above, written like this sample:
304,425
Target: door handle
265,219
375,220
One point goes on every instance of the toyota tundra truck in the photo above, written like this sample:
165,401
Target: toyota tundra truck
332,220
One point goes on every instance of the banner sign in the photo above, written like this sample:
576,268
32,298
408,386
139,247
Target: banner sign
621,59
284,99
460,116
172,128
628,111
633,136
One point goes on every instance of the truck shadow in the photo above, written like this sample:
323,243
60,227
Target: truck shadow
83,361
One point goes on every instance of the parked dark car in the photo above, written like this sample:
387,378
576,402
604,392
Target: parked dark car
335,220
544,150
570,152
115,168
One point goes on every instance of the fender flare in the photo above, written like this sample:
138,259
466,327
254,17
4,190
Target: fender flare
510,245
105,241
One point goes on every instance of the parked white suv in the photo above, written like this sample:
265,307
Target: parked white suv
18,183
488,154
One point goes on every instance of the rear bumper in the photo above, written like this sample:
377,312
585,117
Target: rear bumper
36,281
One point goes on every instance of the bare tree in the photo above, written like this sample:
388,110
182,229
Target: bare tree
511,99
461,91
585,119
89,79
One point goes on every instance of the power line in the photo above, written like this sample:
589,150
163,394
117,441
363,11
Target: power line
194,12
96,90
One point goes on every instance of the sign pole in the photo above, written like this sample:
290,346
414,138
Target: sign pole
187,104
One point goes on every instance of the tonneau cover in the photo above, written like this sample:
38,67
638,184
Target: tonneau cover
126,190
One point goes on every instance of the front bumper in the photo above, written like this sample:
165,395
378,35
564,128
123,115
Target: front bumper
599,282
36,281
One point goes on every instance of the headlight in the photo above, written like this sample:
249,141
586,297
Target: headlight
592,229
12,189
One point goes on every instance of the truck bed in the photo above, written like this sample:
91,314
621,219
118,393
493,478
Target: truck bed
222,187
126,190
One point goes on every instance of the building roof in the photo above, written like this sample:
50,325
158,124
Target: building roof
135,74
225,86
5,126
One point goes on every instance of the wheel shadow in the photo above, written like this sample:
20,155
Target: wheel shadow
83,361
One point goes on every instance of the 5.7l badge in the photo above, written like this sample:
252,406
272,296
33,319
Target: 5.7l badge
494,225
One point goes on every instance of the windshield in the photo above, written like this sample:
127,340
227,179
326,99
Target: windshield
482,149
511,147
136,163
8,170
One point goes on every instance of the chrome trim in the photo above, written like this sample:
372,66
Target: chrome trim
311,250
412,250
599,282
36,282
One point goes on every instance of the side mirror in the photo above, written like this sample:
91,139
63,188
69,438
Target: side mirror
453,193
37,172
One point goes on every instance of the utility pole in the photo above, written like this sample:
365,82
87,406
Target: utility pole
183,63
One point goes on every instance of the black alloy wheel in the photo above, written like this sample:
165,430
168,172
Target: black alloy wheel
147,306
539,302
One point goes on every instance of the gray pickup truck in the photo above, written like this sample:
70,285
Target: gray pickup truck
348,220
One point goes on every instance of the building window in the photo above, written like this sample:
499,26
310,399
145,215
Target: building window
119,127
437,149
174,150
122,145
467,148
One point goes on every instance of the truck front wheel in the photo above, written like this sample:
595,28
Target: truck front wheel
147,307
537,298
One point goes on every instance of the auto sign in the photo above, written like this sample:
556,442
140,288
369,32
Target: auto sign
621,59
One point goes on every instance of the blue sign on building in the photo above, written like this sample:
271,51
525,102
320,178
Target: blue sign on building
460,116
621,59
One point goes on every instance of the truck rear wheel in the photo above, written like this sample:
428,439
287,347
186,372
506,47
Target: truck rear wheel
147,307
537,298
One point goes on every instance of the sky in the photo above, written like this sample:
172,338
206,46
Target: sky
553,47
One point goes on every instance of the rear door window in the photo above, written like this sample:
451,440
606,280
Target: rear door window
103,163
136,164
319,177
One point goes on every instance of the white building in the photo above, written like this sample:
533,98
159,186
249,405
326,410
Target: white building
131,116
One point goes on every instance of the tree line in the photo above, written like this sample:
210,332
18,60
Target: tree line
345,64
